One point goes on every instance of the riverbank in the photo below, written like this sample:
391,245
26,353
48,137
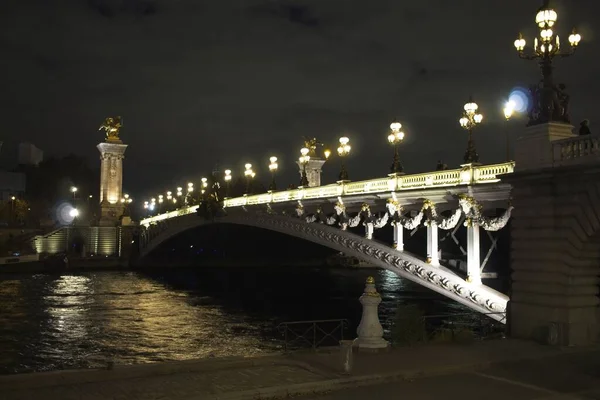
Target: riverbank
277,376
58,265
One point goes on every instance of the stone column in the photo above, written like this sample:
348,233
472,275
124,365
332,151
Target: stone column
398,236
313,171
370,331
369,230
112,153
432,244
473,255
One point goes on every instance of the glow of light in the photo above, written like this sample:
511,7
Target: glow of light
74,213
519,98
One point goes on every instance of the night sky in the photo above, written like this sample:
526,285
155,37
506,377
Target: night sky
199,82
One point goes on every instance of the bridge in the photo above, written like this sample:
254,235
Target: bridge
323,215
555,192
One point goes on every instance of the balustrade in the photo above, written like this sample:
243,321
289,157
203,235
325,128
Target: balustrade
579,149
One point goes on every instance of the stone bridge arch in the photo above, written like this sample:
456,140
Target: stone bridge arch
437,278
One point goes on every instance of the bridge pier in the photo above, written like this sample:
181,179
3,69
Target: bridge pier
555,244
473,254
433,244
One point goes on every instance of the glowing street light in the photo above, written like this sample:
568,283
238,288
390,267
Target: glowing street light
395,138
74,213
179,191
509,109
273,166
343,151
470,119
545,106
227,181
303,160
169,195
190,187
249,174
327,153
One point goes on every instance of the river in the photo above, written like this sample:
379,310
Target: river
81,320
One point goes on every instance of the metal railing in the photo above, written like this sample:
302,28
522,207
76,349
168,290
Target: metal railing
455,327
303,334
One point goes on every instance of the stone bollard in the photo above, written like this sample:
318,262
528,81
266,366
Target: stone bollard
370,332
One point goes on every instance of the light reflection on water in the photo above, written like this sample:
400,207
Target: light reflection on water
52,322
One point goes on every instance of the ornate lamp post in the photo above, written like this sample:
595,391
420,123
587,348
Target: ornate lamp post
549,102
470,119
203,186
190,190
126,200
343,151
249,174
303,160
227,182
160,201
395,138
273,168
179,191
509,109
74,192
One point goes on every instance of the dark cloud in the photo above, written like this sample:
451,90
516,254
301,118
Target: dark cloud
205,81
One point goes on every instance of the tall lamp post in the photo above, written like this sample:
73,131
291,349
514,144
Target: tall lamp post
549,102
249,174
273,168
395,138
303,160
509,109
343,151
470,119
203,187
227,182
188,196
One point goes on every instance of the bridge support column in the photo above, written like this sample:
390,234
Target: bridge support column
432,244
555,248
473,255
370,331
398,236
369,231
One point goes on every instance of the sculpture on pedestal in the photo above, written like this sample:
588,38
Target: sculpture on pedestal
370,331
112,153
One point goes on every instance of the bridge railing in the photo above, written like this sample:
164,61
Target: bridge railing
467,175
579,149
470,174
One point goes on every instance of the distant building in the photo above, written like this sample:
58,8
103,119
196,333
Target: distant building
11,184
29,154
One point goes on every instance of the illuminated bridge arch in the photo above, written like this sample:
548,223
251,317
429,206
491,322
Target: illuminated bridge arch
437,278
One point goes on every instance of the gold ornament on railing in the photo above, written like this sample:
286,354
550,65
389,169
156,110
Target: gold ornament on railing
112,126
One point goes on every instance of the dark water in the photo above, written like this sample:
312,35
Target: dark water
81,320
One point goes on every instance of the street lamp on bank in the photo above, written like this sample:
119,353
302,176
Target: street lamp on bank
509,109
549,101
395,138
273,166
343,151
470,119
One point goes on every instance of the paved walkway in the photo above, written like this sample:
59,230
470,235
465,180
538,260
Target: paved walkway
295,374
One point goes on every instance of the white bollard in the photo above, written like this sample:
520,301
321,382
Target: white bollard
370,332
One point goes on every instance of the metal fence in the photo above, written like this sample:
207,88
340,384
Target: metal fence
468,325
313,334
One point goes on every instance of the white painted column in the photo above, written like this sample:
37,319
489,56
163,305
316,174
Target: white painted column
398,236
432,244
473,256
369,230
370,331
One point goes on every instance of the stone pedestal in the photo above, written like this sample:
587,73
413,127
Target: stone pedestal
112,153
370,332
313,171
555,253
533,149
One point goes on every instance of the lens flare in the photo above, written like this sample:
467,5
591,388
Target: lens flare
519,97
